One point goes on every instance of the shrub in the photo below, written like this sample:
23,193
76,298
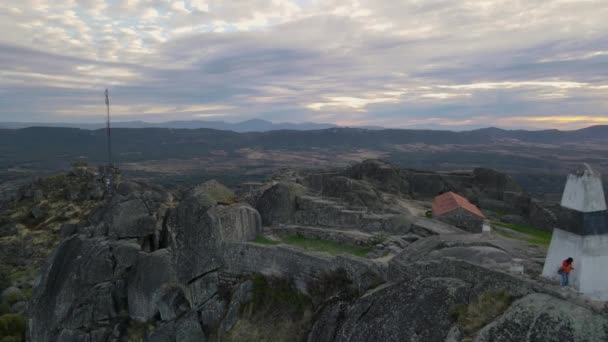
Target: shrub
4,282
11,339
277,297
481,311
12,325
277,312
330,284
14,297
137,331
4,308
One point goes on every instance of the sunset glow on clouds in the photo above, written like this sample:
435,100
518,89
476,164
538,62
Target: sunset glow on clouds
432,63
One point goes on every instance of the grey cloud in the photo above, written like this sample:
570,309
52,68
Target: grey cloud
318,66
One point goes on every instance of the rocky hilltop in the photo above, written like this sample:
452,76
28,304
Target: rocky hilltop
347,255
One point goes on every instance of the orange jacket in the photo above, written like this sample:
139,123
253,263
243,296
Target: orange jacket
566,267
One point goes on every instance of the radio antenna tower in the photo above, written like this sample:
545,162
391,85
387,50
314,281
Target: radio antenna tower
108,131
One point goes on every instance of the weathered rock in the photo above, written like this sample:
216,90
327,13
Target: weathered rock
68,229
540,317
201,289
172,303
131,219
238,222
146,283
197,238
163,333
383,175
38,212
19,307
212,313
427,184
244,292
408,311
213,192
12,295
278,203
188,329
74,290
127,187
494,183
68,335
8,229
126,254
232,316
352,191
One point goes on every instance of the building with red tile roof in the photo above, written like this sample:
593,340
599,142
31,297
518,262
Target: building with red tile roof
458,211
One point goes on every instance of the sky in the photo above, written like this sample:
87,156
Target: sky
452,64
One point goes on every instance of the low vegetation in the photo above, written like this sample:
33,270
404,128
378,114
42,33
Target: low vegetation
278,312
318,245
537,236
12,328
478,313
137,331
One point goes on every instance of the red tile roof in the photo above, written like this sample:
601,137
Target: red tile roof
449,201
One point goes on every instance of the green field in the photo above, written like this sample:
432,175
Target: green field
317,245
537,236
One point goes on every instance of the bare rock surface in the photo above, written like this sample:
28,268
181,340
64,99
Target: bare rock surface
410,311
540,317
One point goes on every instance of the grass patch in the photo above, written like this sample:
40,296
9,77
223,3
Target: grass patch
265,241
481,311
137,331
12,327
278,312
326,246
537,236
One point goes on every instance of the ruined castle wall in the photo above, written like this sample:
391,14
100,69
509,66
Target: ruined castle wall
302,267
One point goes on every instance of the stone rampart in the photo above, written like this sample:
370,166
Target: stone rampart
242,258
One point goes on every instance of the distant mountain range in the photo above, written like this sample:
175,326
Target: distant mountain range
540,159
254,125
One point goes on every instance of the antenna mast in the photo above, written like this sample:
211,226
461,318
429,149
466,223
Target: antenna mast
108,132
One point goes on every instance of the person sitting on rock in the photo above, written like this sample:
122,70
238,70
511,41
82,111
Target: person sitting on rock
565,270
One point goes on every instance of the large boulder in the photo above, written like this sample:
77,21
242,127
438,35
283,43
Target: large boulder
407,311
238,222
75,290
494,184
352,191
427,184
213,192
197,232
131,219
278,203
539,317
381,174
147,284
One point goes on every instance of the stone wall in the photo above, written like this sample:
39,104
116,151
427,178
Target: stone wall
464,219
483,277
303,268
348,237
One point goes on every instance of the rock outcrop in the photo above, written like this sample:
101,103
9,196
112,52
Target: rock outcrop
148,267
539,317
141,258
408,311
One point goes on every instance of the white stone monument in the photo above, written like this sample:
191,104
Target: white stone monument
582,234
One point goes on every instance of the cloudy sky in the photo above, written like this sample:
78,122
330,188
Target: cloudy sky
395,63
